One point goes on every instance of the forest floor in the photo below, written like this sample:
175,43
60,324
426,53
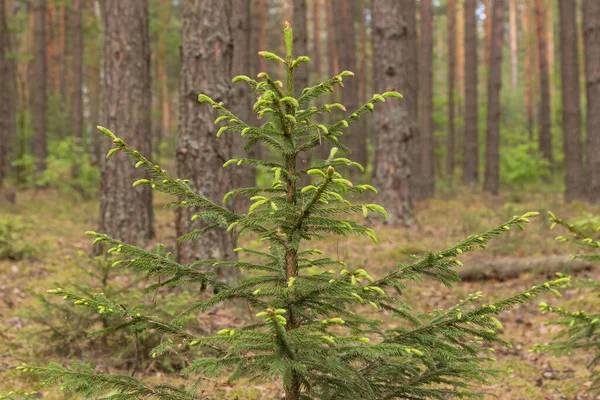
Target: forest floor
35,332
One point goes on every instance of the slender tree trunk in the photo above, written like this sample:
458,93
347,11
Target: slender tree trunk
316,14
241,99
334,62
549,18
206,67
427,145
591,36
544,139
529,63
492,157
362,57
346,45
77,96
460,55
261,9
514,51
125,212
488,33
471,149
395,57
300,45
571,105
39,95
451,81
5,115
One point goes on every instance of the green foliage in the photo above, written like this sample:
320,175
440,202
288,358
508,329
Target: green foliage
580,330
66,158
12,244
323,329
522,164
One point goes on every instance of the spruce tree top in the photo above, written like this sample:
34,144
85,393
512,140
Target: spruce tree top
319,329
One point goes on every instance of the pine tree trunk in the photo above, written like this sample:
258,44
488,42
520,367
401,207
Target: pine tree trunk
549,18
205,68
591,36
451,80
471,149
513,44
395,54
125,212
529,63
334,62
260,16
39,95
316,15
427,128
346,45
63,37
4,92
544,139
460,55
492,157
241,99
571,106
488,33
77,96
300,45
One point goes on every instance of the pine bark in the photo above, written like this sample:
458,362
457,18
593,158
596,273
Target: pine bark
591,37
529,64
346,45
513,44
316,15
5,115
488,33
471,149
395,59
206,63
571,104
299,28
125,212
426,139
451,82
334,62
544,138
492,157
260,16
77,94
39,95
241,98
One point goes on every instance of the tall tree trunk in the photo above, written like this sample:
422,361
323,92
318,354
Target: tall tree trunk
5,115
125,212
514,51
260,11
395,58
491,183
206,67
300,45
39,95
77,96
544,138
316,14
529,64
460,55
334,62
362,56
451,81
591,37
571,105
549,18
161,73
427,145
240,103
346,45
488,33
471,149
64,49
